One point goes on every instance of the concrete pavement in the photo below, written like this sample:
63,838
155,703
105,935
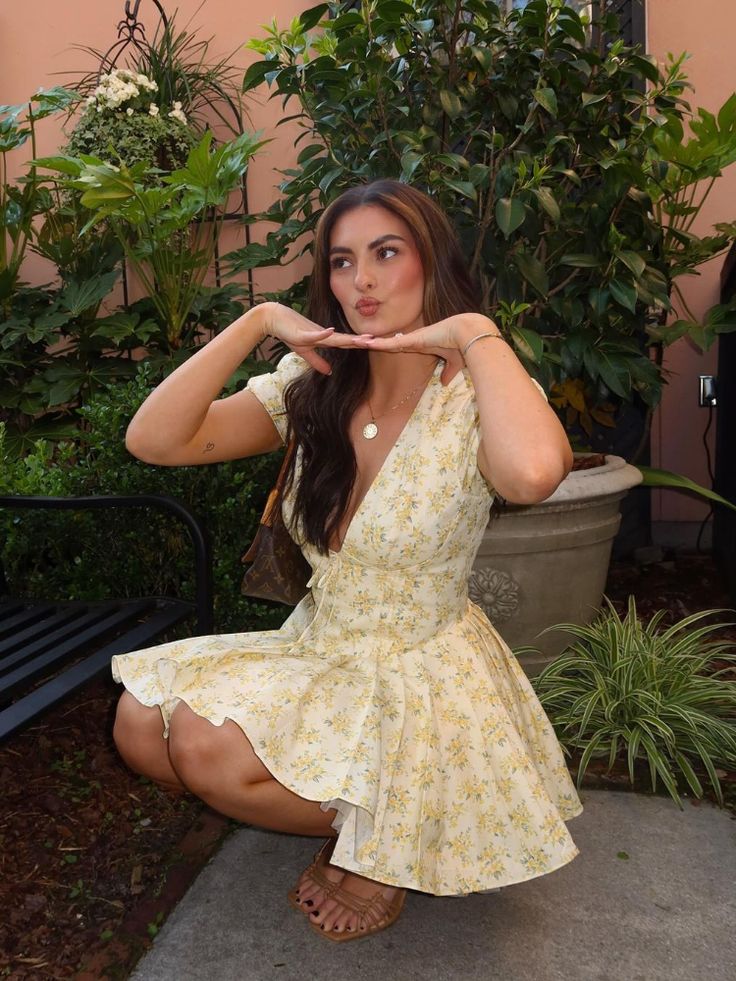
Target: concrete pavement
651,897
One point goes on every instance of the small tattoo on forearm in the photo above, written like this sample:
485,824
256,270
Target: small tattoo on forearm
210,446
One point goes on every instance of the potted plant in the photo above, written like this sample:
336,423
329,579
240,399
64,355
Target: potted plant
566,170
633,692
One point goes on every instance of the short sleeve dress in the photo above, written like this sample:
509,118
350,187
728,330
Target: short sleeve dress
387,694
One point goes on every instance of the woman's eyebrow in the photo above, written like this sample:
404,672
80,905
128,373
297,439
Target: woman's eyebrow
371,245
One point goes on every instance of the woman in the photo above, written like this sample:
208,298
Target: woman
386,713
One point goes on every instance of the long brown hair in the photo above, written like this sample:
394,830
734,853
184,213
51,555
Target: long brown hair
320,407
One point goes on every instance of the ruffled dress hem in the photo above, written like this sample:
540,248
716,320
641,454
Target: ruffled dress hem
167,669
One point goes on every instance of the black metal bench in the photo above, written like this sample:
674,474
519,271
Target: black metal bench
74,641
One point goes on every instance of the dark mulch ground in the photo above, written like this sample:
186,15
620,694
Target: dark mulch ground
93,858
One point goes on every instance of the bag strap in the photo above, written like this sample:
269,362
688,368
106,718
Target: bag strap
276,490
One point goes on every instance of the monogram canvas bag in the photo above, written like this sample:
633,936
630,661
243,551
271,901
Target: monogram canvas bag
278,569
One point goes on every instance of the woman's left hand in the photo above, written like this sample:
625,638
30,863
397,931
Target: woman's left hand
443,339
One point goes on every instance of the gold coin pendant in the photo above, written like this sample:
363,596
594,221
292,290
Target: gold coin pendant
370,430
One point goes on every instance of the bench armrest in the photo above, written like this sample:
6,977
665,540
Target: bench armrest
195,527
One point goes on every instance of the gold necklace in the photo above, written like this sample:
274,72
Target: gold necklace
370,430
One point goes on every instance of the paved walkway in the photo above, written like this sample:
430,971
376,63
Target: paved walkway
651,897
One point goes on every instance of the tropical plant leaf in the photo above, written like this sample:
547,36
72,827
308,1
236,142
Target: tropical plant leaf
654,477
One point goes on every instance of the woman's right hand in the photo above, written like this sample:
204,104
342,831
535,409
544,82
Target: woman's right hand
304,336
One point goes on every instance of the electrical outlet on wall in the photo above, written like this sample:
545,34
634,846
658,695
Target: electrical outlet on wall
707,391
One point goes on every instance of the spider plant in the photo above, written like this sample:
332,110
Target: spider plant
646,691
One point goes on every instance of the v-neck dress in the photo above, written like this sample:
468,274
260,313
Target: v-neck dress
387,694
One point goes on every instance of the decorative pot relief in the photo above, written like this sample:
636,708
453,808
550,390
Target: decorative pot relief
495,592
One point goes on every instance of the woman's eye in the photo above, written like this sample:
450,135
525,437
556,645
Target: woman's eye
338,262
382,252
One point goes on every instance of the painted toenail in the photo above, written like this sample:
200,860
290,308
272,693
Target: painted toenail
308,902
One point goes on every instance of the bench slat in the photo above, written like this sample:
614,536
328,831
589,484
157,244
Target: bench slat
70,627
76,643
15,616
48,694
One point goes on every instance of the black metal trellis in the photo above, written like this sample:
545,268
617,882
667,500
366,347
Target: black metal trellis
632,20
132,33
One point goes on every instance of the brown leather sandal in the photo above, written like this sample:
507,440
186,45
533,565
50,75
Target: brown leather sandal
315,873
375,914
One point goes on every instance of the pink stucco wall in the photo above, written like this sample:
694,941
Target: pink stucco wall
35,48
705,30
36,43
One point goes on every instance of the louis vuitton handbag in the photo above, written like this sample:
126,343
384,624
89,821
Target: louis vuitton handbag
278,569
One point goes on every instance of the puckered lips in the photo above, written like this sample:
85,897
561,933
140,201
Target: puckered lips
367,307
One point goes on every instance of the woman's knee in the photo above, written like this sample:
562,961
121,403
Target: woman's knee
204,754
136,728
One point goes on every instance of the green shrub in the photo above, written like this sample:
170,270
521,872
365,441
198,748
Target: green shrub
573,174
625,687
91,555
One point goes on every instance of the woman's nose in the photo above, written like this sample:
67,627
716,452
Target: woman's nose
364,277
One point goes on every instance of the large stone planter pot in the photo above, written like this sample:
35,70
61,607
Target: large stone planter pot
547,563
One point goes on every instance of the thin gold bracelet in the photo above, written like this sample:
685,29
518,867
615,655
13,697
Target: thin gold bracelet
472,340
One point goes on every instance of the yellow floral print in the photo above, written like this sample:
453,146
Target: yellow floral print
386,694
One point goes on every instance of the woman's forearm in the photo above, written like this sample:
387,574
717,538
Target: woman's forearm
173,413
526,449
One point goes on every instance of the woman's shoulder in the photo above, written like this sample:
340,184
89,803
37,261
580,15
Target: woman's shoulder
462,390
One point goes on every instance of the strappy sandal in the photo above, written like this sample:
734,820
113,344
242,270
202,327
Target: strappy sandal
315,873
375,914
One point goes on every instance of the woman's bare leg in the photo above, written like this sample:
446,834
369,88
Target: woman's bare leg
139,737
218,764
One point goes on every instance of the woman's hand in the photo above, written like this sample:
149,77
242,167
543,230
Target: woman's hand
303,336
445,339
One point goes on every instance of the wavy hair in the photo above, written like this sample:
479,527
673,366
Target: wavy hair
320,407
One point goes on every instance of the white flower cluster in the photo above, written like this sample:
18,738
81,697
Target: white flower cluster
122,85
118,87
177,113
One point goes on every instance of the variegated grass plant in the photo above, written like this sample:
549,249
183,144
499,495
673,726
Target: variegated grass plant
625,686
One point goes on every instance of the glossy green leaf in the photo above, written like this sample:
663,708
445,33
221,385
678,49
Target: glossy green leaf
483,56
547,99
548,202
623,293
451,103
464,188
533,272
510,214
528,343
633,261
257,72
581,260
310,18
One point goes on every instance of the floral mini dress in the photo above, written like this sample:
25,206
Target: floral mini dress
387,694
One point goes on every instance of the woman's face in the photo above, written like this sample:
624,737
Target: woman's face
376,273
